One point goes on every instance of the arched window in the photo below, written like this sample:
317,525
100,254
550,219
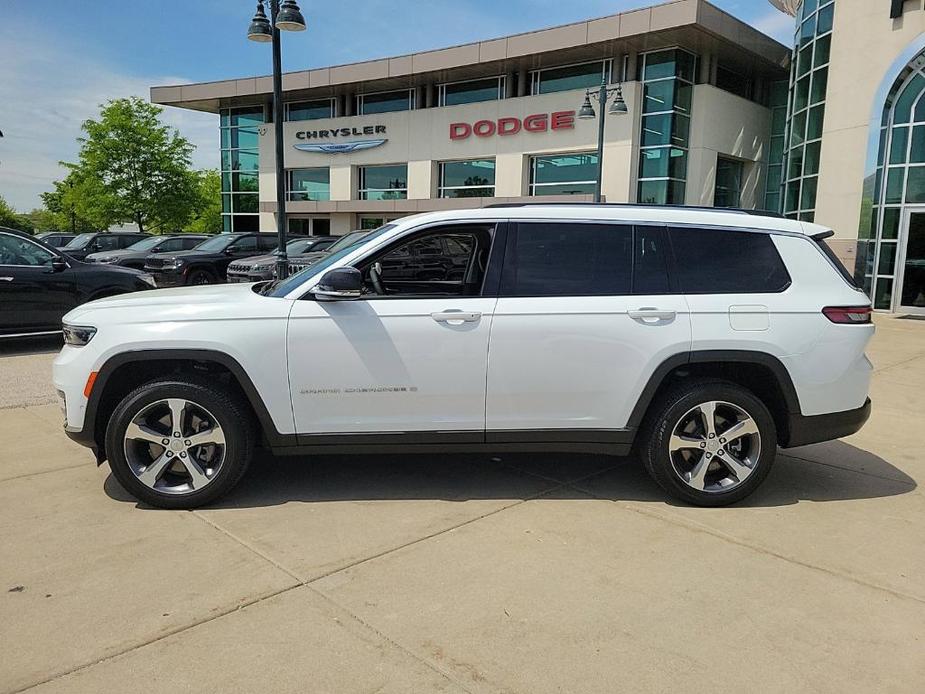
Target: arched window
898,183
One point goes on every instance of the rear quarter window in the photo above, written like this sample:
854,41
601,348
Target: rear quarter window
719,261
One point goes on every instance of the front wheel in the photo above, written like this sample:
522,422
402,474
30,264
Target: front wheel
197,277
179,443
709,443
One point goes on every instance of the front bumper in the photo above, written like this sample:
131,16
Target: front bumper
825,427
168,279
249,276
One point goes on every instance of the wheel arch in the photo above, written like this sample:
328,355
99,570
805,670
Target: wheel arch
121,373
762,373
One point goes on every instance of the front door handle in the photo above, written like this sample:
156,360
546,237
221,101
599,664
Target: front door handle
6,279
651,315
456,316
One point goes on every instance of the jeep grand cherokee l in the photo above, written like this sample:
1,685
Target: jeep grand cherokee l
263,267
208,262
701,340
135,255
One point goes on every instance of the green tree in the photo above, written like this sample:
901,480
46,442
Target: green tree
66,204
42,220
11,219
133,168
207,218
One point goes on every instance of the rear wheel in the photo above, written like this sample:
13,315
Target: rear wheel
179,443
709,443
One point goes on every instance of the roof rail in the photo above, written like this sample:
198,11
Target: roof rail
582,203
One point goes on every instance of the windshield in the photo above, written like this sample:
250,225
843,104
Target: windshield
280,289
80,241
216,243
145,244
348,240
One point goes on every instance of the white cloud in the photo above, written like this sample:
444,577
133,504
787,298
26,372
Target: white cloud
45,95
776,24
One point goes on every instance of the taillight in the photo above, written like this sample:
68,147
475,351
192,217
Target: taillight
852,315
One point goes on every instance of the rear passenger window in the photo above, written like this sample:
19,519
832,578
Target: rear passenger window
709,261
562,259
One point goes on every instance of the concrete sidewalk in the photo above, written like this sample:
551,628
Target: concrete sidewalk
539,573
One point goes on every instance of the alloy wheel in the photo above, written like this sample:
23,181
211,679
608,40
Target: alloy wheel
174,446
715,446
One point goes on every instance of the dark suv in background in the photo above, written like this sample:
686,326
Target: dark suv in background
84,244
56,239
39,284
136,254
301,262
263,267
208,262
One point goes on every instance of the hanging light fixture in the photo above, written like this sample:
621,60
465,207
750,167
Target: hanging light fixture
618,105
260,29
587,110
290,17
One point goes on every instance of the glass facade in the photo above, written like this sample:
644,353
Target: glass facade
728,189
474,178
471,92
240,161
899,182
809,74
778,105
310,110
560,79
385,102
388,182
563,174
308,184
668,85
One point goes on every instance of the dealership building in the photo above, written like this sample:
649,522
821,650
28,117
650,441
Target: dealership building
719,114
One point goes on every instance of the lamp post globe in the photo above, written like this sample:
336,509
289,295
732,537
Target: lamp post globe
290,17
260,29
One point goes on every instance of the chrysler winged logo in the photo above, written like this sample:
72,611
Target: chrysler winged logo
340,147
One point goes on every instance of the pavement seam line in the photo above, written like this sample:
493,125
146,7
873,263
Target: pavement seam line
901,363
911,485
359,620
42,472
693,526
160,637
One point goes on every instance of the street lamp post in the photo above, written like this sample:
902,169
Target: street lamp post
617,108
283,17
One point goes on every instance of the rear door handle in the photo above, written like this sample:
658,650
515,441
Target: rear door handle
456,316
648,314
6,279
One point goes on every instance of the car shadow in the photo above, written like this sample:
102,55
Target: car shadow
20,346
273,481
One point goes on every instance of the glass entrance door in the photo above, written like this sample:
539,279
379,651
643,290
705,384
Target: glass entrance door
912,263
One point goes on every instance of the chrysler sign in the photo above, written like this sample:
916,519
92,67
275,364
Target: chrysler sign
337,133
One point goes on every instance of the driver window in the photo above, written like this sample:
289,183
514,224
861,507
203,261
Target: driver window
106,243
16,251
445,262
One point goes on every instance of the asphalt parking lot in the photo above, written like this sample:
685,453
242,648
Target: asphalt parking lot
535,573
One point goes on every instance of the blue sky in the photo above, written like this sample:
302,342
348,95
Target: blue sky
59,59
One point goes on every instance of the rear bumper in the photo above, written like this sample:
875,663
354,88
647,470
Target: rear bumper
826,427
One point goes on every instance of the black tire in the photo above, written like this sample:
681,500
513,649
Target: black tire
668,412
197,277
234,419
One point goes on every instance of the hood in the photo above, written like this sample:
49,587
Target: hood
192,253
102,267
119,253
256,260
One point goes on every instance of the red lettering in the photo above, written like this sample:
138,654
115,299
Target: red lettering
562,120
508,126
537,123
484,128
460,131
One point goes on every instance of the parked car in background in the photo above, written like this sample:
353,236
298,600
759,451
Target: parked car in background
39,284
208,262
135,255
263,267
55,239
83,245
700,340
306,259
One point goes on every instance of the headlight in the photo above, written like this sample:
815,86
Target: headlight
173,264
107,259
262,268
147,279
78,335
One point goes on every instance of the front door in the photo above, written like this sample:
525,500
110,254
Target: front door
33,295
911,264
409,359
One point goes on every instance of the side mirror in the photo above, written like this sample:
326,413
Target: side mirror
230,250
340,284
59,264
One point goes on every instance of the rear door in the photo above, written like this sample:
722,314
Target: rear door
33,295
585,313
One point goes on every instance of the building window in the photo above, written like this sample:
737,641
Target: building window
309,184
728,190
384,182
385,102
467,179
778,105
310,110
809,75
471,91
560,79
240,160
734,82
563,174
310,226
668,83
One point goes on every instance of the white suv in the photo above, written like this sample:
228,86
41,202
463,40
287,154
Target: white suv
701,339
